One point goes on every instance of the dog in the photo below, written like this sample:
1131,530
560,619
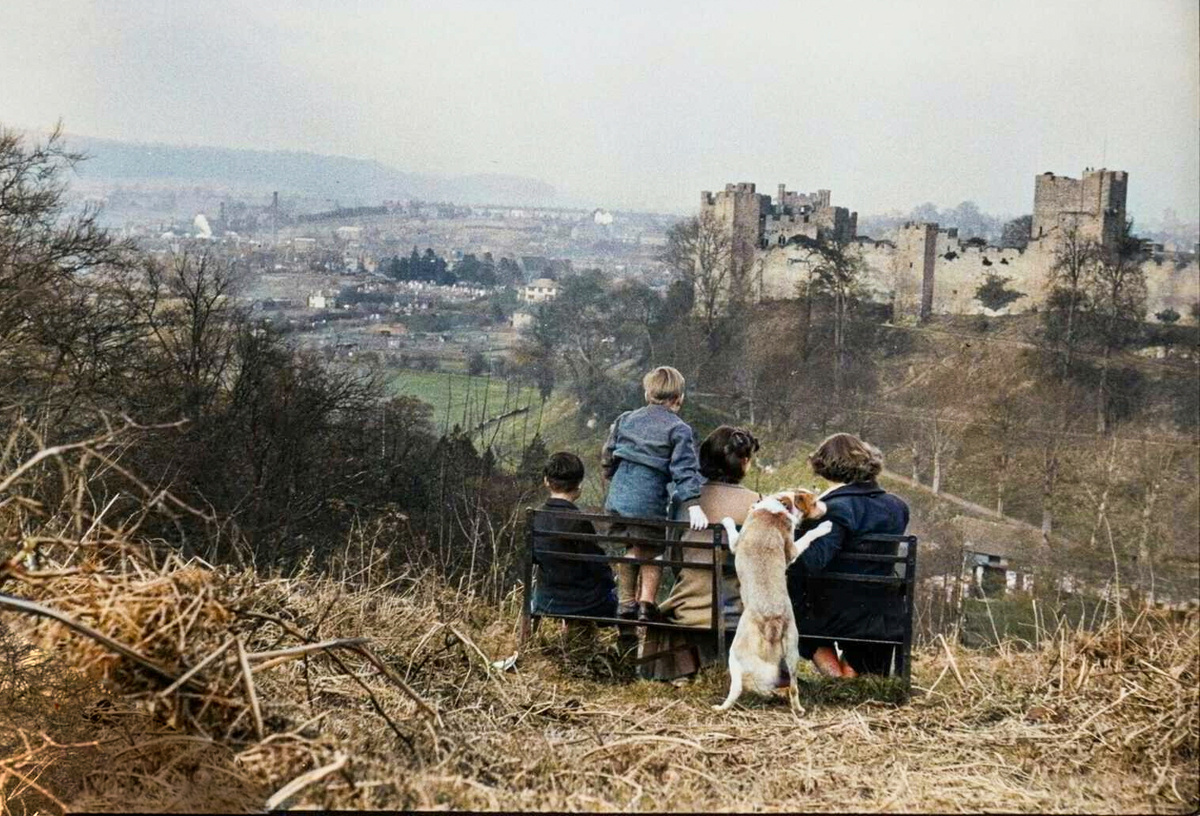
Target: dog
766,646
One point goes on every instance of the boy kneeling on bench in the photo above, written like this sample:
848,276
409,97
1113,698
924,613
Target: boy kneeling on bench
566,587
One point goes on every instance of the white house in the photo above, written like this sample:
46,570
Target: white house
539,291
319,300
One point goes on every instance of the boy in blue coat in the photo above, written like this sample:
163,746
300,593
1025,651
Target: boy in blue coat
646,450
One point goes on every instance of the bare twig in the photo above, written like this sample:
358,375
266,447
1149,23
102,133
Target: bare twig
953,662
248,677
297,651
304,780
31,608
195,669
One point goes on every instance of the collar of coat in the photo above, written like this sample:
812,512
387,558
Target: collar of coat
871,488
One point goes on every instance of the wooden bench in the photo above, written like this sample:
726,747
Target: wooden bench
897,551
717,546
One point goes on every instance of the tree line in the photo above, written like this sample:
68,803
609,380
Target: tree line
431,267
279,456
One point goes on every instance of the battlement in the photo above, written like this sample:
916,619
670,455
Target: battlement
924,226
790,201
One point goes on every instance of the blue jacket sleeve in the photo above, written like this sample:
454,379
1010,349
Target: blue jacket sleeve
608,465
823,550
685,465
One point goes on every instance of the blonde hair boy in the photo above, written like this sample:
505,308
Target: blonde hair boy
663,386
647,450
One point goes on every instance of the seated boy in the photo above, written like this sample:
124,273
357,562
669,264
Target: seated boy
566,587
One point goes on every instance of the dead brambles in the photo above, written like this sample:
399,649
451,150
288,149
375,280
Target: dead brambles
143,681
1103,721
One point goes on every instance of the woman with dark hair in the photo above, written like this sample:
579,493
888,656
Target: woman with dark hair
857,506
725,456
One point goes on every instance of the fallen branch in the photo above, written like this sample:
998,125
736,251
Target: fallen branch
277,656
251,694
31,608
396,679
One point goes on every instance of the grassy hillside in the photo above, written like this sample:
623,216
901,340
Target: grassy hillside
463,399
412,713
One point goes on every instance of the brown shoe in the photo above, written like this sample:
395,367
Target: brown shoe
628,611
826,661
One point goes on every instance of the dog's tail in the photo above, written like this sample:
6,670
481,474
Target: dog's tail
772,629
785,675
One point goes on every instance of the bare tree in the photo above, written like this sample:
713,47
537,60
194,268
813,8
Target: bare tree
835,270
1070,277
58,329
700,251
191,319
1054,407
1118,305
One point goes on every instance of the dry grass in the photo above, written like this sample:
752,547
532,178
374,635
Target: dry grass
147,682
1096,722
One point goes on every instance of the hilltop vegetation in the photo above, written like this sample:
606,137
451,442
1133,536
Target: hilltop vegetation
401,707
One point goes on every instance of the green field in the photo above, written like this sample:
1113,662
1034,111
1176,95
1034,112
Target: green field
473,403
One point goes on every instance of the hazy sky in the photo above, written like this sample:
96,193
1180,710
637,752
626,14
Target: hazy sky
643,104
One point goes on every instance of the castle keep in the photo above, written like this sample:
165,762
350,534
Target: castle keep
754,222
925,269
1094,206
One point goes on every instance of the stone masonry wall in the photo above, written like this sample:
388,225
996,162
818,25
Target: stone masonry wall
895,272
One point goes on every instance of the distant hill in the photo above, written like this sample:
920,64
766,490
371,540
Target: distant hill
310,174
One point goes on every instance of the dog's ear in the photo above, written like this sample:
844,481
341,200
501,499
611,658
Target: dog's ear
810,506
788,500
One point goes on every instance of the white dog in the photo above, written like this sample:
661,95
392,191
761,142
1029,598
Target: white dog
766,647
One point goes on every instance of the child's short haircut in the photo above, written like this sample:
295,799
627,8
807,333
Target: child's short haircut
663,386
845,458
563,472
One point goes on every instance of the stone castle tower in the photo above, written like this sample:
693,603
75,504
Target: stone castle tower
924,269
1093,205
740,211
754,222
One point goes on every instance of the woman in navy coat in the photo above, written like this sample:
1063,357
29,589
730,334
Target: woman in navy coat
857,506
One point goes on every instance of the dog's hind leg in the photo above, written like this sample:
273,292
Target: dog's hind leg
794,697
735,684
791,657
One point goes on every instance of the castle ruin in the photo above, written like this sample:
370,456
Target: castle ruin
1092,206
924,269
755,223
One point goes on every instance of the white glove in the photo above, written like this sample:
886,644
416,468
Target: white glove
697,518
